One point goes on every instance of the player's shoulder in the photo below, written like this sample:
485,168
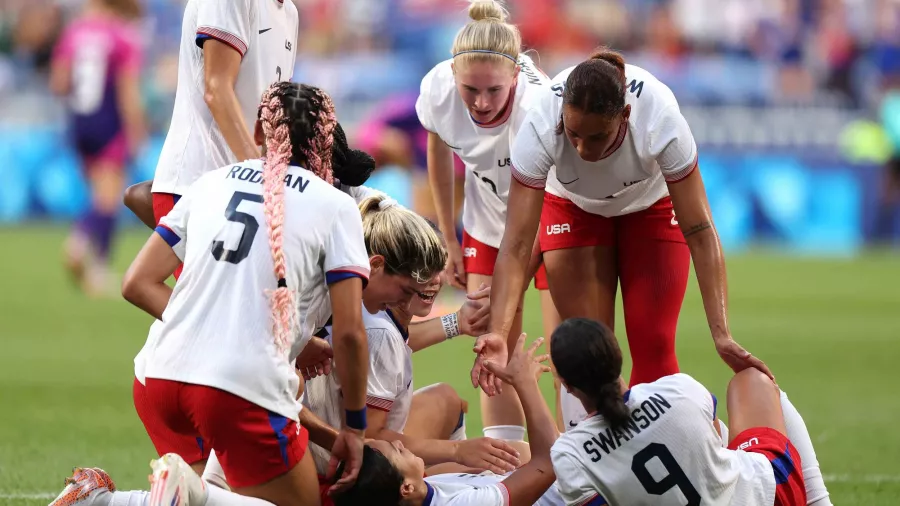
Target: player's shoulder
382,325
438,84
676,385
645,92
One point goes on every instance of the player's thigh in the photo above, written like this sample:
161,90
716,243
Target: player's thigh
169,428
549,315
107,181
435,412
583,282
297,487
754,401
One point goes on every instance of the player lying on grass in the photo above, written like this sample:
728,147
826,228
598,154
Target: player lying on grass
392,475
657,444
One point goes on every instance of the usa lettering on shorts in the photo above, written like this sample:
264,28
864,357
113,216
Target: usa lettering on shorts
558,229
748,443
470,253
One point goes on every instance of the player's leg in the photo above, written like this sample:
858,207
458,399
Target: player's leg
816,492
756,420
263,454
139,199
501,415
581,274
436,412
106,180
654,266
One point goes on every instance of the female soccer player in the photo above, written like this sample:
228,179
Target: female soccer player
473,105
218,356
624,203
393,475
96,66
245,45
661,444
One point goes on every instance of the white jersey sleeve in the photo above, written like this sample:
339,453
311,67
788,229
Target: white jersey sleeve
672,144
453,490
227,21
387,362
570,479
530,155
173,226
360,193
345,254
428,96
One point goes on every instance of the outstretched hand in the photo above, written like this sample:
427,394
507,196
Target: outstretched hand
488,348
475,313
523,366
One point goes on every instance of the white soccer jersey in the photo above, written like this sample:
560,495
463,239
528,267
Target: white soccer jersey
264,32
485,489
389,386
669,454
654,146
217,327
483,148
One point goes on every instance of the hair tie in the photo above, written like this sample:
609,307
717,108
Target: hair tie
386,203
487,51
282,283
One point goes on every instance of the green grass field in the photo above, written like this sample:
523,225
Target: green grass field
829,329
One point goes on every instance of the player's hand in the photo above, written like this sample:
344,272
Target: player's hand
455,270
738,358
523,366
348,447
475,313
493,455
488,348
315,359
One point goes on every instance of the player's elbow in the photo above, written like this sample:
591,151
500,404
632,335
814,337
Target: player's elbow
132,287
215,92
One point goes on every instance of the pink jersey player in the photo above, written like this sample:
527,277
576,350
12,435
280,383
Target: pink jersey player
95,66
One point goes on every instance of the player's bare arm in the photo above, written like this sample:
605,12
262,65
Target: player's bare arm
527,484
139,200
144,284
350,344
509,278
440,177
695,219
320,432
481,453
220,70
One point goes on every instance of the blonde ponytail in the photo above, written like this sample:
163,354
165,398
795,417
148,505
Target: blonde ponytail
409,244
488,37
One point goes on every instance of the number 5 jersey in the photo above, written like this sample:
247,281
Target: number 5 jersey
668,454
218,327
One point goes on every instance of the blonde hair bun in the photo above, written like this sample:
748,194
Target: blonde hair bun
487,9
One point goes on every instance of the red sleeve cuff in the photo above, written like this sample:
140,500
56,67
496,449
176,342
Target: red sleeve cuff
682,174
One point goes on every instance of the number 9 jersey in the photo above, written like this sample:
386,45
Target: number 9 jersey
668,454
217,327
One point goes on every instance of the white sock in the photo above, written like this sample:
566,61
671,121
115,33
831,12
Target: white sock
214,474
459,434
221,497
573,411
723,429
816,493
505,432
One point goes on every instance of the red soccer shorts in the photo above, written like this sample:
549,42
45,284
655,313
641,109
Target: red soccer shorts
191,449
479,258
253,445
652,265
790,489
162,204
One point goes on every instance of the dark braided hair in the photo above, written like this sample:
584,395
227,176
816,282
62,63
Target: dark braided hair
586,355
351,167
298,121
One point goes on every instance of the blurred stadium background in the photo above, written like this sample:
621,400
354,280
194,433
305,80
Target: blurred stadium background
796,107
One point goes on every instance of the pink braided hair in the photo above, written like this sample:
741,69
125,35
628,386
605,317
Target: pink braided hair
275,168
318,158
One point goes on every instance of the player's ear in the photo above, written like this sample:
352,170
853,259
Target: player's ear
258,136
626,113
406,489
376,264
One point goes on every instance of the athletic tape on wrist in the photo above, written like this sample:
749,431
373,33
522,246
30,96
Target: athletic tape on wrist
450,323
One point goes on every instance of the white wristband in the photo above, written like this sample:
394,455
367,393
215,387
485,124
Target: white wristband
451,325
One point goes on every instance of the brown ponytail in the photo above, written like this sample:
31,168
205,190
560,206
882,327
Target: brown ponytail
597,85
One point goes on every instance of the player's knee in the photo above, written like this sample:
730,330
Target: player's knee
751,380
444,396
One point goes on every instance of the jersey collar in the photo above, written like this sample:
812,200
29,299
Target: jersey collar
625,397
620,137
429,496
403,332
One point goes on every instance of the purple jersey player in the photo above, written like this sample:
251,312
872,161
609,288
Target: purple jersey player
95,66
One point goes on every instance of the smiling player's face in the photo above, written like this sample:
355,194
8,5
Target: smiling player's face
592,135
421,304
484,87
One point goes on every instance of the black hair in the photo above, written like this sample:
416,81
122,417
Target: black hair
597,85
378,483
351,167
586,355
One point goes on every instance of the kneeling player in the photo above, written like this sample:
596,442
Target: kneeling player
657,443
393,475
